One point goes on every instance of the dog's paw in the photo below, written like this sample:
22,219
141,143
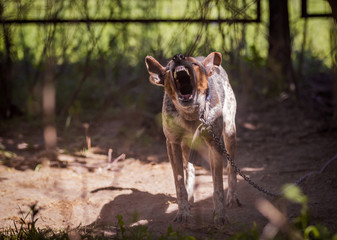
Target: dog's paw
220,219
182,217
232,200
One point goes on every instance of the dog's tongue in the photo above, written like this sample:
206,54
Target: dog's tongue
186,96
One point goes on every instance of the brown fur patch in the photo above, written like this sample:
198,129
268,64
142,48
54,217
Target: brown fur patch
202,80
168,84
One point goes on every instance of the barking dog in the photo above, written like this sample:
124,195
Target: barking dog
195,87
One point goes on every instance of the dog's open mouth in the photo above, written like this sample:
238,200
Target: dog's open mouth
184,84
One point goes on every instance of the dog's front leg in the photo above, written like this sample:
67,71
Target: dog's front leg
216,162
190,172
175,155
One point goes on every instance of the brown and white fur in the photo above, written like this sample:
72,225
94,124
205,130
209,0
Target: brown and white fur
194,86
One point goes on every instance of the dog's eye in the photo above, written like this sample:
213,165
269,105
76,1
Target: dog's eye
195,64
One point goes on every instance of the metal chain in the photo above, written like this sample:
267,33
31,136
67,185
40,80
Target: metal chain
209,129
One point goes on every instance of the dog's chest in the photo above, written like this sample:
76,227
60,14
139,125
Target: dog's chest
175,124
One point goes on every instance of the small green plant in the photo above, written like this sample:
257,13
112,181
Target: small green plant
252,234
294,194
5,155
27,229
143,233
303,222
300,229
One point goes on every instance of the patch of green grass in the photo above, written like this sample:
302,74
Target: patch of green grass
301,228
6,156
140,232
26,229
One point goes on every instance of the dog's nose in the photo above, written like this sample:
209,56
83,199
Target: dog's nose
178,57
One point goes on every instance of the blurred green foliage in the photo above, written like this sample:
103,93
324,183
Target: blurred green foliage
302,223
106,61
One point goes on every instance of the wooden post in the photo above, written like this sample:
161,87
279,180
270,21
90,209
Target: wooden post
48,96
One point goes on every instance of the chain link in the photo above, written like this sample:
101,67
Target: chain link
220,144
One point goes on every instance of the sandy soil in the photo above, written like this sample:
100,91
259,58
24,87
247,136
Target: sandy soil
277,143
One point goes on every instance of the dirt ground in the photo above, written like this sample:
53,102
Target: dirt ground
278,142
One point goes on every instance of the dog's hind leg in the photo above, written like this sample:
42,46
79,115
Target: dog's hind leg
190,172
175,155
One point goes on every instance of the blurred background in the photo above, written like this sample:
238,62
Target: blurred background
80,124
62,60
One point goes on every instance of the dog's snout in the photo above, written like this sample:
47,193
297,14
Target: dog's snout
178,57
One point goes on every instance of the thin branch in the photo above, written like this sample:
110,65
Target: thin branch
79,86
126,20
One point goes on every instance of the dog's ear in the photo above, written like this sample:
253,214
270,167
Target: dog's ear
213,59
156,71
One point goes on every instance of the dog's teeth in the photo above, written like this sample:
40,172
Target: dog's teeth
188,73
180,68
175,74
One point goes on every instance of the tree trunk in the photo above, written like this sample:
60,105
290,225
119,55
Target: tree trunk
6,72
279,52
333,4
